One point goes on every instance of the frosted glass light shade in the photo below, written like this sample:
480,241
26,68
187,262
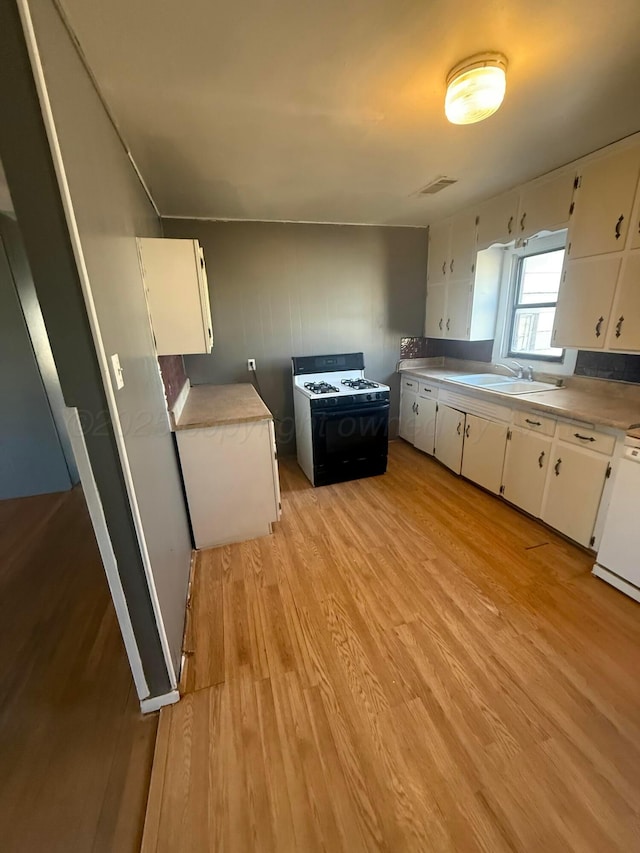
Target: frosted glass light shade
475,88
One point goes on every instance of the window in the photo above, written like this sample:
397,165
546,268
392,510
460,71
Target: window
534,305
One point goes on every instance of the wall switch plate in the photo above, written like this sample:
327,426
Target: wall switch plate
117,371
251,364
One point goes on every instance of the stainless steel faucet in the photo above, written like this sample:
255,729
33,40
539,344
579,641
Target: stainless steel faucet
522,372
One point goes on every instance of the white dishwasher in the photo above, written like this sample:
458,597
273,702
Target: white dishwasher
618,560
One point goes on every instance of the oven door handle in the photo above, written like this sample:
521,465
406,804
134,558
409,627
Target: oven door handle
346,413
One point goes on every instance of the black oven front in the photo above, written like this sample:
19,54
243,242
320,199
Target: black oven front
350,437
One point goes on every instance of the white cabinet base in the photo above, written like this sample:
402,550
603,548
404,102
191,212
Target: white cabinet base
231,480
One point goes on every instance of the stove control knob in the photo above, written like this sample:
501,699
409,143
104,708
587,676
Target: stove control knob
369,397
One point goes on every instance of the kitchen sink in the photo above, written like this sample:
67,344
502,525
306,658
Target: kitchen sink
503,384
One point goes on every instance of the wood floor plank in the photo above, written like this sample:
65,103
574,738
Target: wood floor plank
406,664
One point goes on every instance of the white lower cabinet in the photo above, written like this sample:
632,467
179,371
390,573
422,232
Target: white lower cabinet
450,425
408,401
483,452
525,469
574,488
425,425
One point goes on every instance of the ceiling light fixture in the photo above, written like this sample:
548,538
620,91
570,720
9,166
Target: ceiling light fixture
475,88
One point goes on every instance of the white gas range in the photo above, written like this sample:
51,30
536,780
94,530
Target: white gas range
342,418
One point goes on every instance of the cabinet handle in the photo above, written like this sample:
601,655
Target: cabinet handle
451,265
522,219
510,224
618,226
599,326
584,437
417,408
459,429
533,423
444,267
413,408
556,467
541,460
440,324
619,326
466,432
448,323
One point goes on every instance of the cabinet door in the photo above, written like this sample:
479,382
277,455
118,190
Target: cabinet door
449,437
173,279
463,247
574,489
459,298
525,469
624,329
584,302
436,315
483,452
425,425
407,426
496,220
603,203
205,303
439,252
545,205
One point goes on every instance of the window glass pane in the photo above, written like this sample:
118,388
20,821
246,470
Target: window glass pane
532,329
540,277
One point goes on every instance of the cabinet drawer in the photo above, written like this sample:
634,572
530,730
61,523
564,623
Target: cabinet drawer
585,436
535,422
410,384
428,391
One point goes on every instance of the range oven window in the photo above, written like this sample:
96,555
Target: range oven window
341,436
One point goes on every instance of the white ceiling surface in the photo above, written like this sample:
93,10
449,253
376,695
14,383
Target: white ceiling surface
332,111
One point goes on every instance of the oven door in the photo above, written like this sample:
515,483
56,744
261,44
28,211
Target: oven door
349,444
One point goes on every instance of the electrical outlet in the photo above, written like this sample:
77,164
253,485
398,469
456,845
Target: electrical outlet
251,364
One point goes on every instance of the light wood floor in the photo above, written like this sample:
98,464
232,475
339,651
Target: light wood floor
75,752
407,664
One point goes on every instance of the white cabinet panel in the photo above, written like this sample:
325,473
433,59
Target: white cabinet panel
450,437
584,302
408,400
603,201
545,204
463,247
483,452
525,469
438,257
624,329
496,220
177,295
436,313
459,301
425,424
574,489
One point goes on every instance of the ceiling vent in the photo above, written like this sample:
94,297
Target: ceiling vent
436,185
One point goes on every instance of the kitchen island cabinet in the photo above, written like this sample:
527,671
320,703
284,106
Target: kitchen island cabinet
226,443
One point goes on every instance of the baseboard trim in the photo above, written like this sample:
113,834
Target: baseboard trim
154,703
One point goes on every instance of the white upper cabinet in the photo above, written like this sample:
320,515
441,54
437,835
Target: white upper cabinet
439,255
496,220
624,328
177,292
603,203
545,204
436,315
462,254
584,302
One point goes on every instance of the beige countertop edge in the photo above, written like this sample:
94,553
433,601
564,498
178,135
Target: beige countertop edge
222,405
590,414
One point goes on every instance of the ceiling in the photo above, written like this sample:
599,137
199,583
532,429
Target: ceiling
333,111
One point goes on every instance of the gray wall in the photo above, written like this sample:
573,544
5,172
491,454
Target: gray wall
21,272
279,290
31,457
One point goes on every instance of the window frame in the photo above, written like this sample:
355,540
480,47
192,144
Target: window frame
513,307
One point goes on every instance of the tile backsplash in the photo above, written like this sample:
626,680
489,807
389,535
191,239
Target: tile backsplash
435,347
608,365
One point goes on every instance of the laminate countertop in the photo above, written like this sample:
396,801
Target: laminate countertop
587,400
216,405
